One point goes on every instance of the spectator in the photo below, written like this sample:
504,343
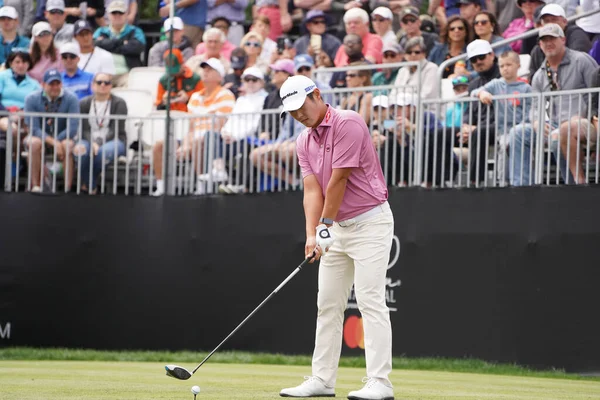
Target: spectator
57,134
411,28
529,43
94,12
315,24
92,59
252,45
233,80
486,28
10,38
356,21
26,13
576,38
506,12
591,24
223,25
409,75
513,114
193,15
185,82
74,79
392,53
382,18
454,42
101,136
233,13
353,48
271,124
483,60
214,39
562,69
454,112
15,85
524,24
125,42
55,14
277,12
180,42
469,9
262,26
304,65
44,54
358,100
213,103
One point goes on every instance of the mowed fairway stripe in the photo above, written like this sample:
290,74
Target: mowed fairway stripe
54,380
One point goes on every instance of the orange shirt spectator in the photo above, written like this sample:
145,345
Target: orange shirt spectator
185,83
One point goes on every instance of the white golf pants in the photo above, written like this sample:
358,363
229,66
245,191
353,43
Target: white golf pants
359,255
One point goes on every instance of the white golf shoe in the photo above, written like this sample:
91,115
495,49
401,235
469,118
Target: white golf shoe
311,387
373,390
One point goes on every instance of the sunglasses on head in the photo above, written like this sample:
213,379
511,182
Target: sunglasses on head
409,20
252,44
99,82
457,28
481,22
68,56
61,12
480,57
250,79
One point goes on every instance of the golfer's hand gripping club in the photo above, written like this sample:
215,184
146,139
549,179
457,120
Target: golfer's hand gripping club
324,238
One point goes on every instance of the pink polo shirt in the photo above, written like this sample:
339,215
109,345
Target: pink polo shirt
342,140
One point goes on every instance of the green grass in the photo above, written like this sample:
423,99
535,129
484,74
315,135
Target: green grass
235,357
87,380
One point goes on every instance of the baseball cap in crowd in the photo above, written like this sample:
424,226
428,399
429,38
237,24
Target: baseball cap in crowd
284,65
52,75
82,25
460,81
117,6
9,12
312,14
383,12
40,27
52,5
293,92
553,9
380,101
427,24
70,48
238,58
403,99
214,64
173,62
303,60
177,24
478,47
551,30
393,47
410,10
255,72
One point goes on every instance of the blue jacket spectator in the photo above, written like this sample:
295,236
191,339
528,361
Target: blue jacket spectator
9,35
74,79
15,84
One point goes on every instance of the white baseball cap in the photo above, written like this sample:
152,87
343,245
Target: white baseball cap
177,24
380,101
9,12
383,12
553,9
40,27
294,90
55,5
403,99
214,64
253,71
479,47
70,48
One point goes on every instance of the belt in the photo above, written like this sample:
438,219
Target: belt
380,209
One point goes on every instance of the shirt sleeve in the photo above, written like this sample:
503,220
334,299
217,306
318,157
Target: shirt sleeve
303,157
347,145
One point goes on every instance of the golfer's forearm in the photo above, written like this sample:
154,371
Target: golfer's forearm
334,197
313,207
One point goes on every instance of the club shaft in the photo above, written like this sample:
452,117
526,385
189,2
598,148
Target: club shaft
277,289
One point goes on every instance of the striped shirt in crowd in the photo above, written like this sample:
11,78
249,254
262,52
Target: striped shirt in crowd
220,102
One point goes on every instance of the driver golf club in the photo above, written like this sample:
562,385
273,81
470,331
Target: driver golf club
181,373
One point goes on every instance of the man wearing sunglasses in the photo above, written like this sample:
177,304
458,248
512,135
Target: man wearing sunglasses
315,24
125,42
74,79
392,53
411,28
55,14
483,60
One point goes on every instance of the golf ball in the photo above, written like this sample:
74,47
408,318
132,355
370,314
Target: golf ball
195,389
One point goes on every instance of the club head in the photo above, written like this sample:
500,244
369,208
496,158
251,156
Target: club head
177,372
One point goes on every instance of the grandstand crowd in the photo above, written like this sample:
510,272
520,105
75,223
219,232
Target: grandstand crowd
230,57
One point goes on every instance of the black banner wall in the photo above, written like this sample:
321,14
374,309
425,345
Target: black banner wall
504,275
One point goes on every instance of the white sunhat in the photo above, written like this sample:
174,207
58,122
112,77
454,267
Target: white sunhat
294,90
214,64
253,71
479,47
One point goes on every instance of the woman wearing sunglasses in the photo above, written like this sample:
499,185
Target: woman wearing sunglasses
358,100
408,77
486,28
252,44
454,40
102,138
44,55
520,25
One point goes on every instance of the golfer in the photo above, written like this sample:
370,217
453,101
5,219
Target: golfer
350,226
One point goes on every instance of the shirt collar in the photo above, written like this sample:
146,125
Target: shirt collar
327,120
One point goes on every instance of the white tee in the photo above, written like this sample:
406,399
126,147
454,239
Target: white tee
99,60
99,119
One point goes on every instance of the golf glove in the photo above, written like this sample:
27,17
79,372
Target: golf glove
325,238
